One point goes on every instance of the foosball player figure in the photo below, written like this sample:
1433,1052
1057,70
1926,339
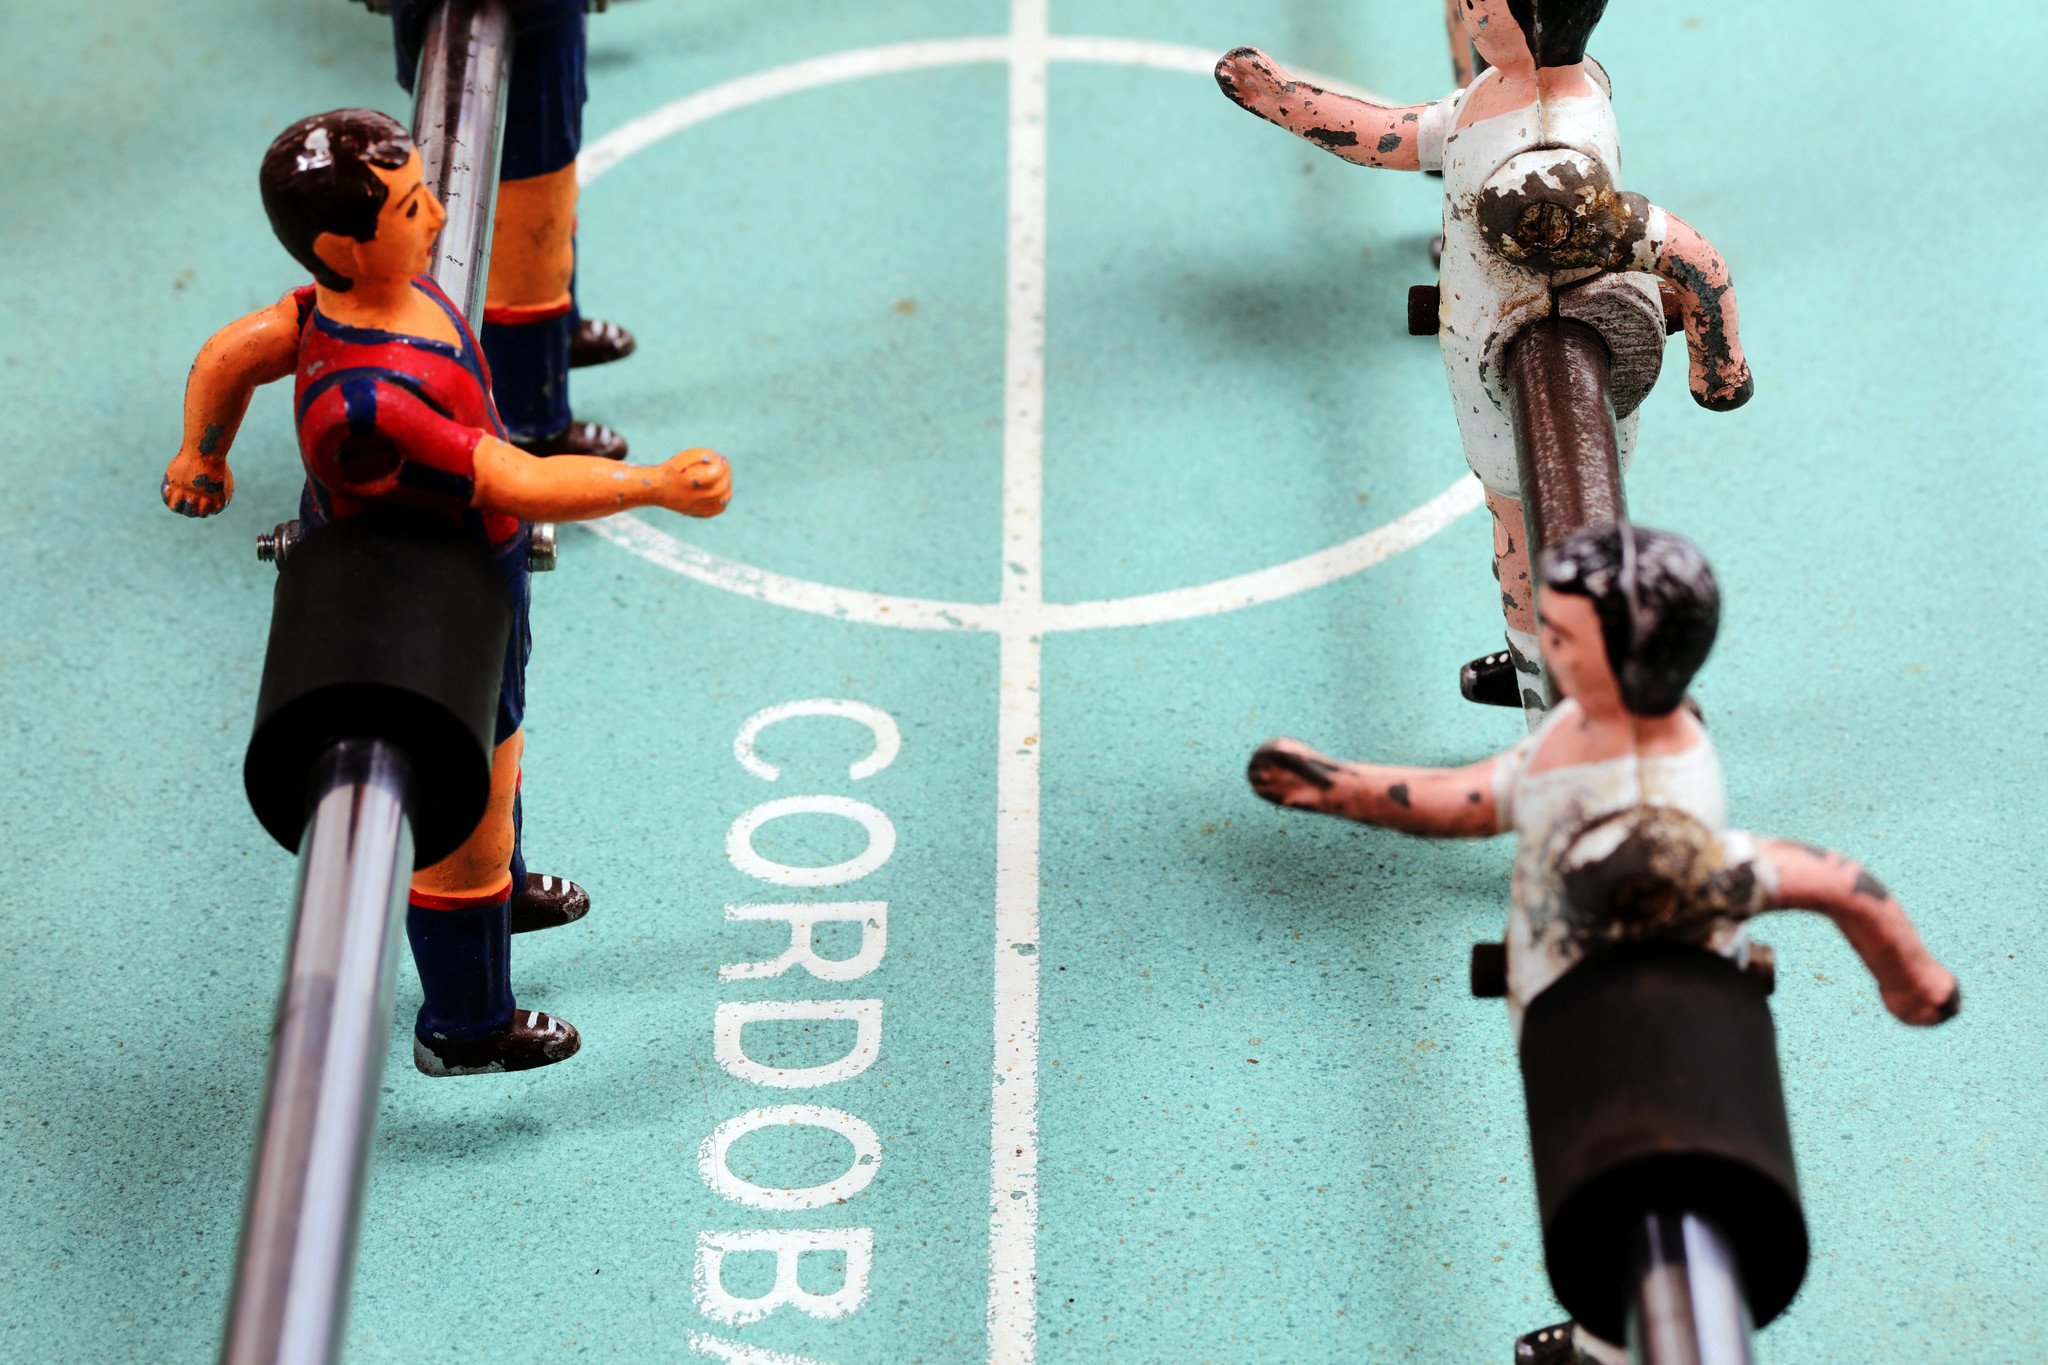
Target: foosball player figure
393,408
1617,805
1530,159
532,332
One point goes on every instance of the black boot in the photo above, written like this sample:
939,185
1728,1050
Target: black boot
468,1023
595,342
531,1040
1547,1346
1491,680
547,903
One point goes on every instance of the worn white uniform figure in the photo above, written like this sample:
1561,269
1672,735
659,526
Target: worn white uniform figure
1486,299
1548,811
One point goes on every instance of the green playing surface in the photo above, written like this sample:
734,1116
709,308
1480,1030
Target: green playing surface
1162,1074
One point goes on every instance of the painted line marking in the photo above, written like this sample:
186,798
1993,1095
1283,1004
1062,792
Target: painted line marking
1013,1098
1022,617
646,541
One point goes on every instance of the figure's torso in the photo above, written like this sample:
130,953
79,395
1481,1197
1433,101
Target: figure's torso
391,419
1551,806
1485,300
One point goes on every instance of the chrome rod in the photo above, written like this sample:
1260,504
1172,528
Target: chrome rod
458,121
333,1026
1688,1307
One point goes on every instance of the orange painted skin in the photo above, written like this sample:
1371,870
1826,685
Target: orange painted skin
1369,134
1459,803
263,347
533,244
480,872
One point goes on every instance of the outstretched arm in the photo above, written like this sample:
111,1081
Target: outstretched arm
696,483
1358,130
247,352
1915,987
1675,250
1437,802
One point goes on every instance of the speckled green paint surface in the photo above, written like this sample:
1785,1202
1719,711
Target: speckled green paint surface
1272,1126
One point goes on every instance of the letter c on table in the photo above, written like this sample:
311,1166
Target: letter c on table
888,739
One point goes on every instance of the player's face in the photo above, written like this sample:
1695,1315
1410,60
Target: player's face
1569,632
406,226
1496,34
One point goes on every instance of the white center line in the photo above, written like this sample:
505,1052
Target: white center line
1013,1136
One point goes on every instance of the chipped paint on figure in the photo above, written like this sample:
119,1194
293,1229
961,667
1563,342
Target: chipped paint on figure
1533,210
1617,802
1618,807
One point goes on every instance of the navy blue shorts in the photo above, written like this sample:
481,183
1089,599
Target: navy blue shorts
544,105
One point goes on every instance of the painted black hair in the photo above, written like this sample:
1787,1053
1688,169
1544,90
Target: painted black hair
1658,605
316,178
1557,30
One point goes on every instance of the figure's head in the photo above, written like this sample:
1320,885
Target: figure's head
344,195
1525,33
1628,615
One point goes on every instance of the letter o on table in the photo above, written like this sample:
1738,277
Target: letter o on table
739,841
867,1158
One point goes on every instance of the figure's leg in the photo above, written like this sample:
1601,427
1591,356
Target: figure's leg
456,920
529,309
1513,677
538,902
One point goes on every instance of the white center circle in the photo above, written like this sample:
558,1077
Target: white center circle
640,538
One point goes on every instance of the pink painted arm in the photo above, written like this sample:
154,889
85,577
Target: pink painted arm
1915,987
246,353
1435,802
1360,131
1720,377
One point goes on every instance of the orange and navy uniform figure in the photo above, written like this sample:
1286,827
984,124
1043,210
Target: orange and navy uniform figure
529,304
389,420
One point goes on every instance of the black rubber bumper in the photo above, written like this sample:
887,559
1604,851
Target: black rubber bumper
383,628
1651,1075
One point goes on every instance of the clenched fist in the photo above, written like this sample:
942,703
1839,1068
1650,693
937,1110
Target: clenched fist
699,483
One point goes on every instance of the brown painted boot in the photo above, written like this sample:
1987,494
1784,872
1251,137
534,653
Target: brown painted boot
531,1040
580,438
596,342
547,903
1490,680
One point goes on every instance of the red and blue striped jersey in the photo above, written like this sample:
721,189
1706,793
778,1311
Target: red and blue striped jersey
391,420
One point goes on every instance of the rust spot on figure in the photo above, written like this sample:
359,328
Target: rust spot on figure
1567,216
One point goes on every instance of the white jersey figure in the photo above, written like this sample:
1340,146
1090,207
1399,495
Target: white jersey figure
1617,807
1535,124
1571,817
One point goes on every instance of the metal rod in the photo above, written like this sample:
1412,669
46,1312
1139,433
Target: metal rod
1567,456
458,121
1565,447
327,1060
1688,1307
